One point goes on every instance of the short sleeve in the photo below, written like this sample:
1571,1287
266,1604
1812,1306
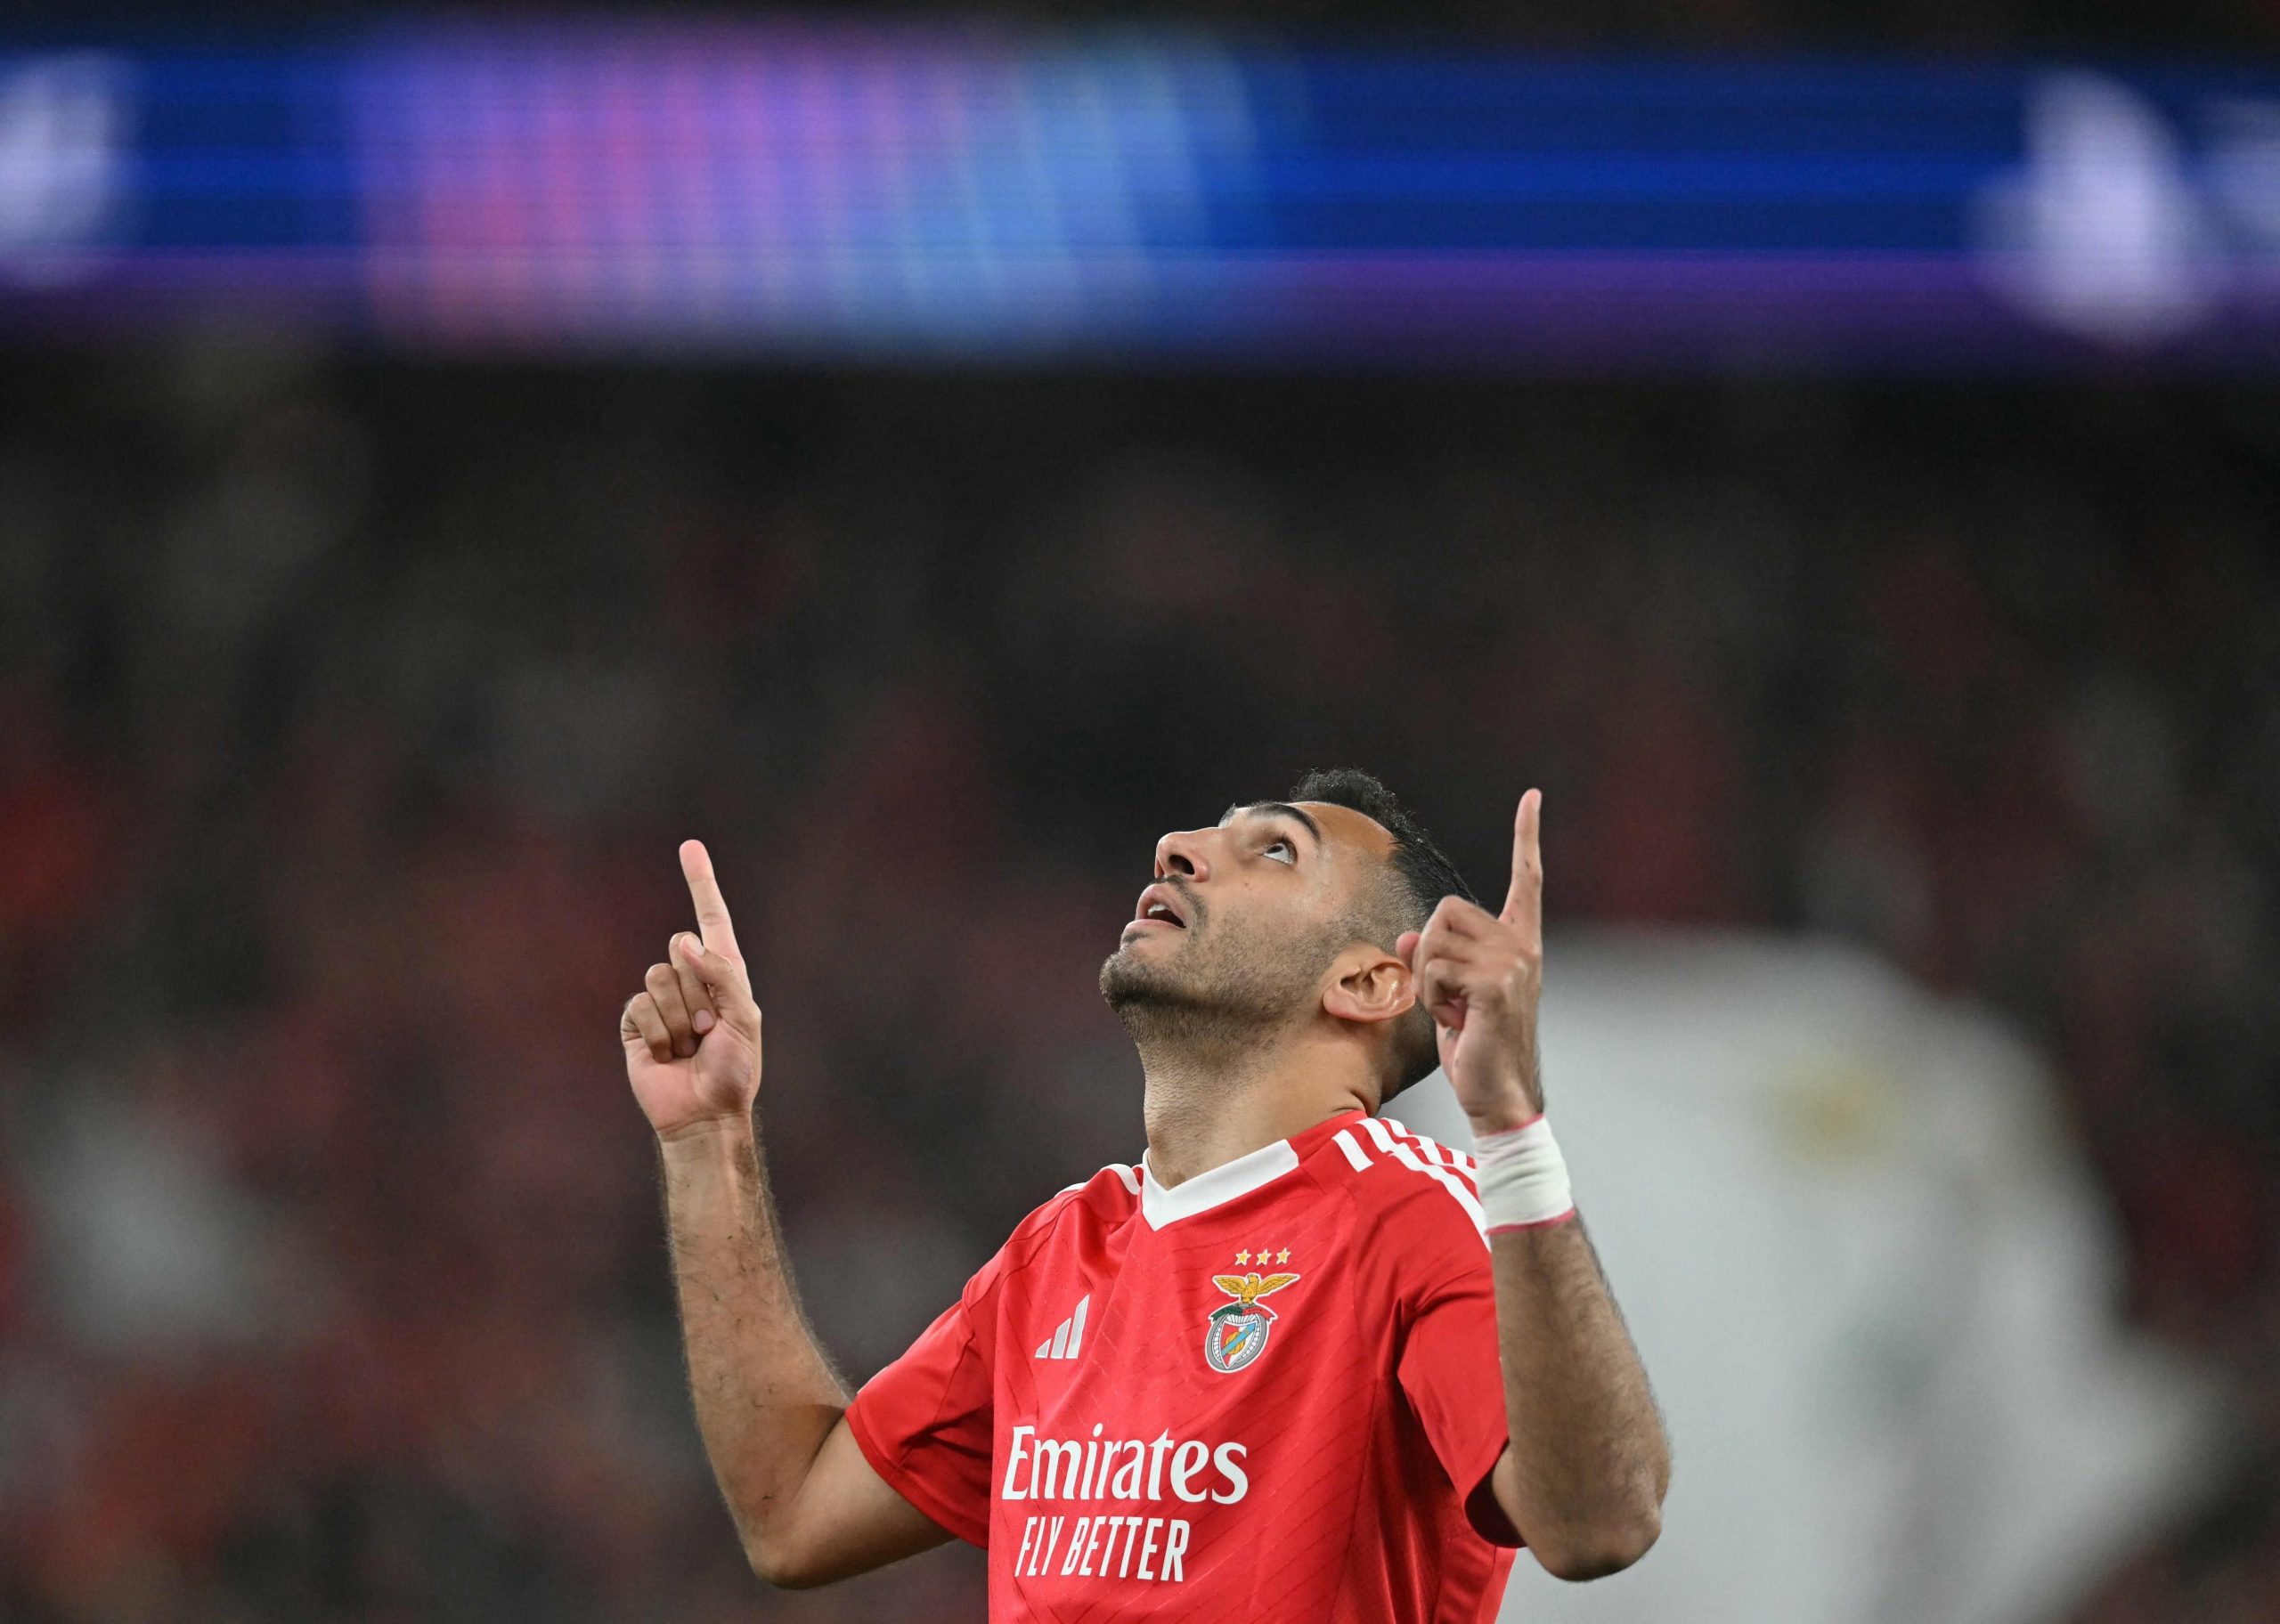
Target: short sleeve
1450,1374
923,1423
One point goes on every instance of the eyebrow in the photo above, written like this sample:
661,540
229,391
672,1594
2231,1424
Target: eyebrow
1284,808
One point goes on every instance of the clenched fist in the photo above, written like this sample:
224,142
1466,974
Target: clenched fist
1479,975
692,1036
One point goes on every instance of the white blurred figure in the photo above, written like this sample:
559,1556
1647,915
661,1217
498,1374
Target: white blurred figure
63,130
2101,233
1873,1283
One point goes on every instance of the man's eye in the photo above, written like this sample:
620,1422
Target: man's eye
1281,850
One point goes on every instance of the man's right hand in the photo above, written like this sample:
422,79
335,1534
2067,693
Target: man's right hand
692,1035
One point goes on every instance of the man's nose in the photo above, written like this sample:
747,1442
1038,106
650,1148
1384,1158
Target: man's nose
1184,852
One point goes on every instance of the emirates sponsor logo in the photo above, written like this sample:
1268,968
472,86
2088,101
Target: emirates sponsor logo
1133,1471
1098,1468
1152,1550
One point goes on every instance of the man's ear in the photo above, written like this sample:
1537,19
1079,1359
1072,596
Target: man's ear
1368,984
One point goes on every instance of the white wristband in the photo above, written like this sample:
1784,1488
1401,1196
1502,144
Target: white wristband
1523,1179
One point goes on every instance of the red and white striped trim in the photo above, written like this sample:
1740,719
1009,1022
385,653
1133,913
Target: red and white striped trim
1456,1161
1445,1167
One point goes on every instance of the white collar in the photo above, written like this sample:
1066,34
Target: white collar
1216,1187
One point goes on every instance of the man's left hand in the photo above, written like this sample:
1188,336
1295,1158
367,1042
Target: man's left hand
1480,975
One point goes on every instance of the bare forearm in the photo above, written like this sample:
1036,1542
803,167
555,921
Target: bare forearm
1588,1465
766,1397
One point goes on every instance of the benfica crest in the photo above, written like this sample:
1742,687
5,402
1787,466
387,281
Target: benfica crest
1236,1334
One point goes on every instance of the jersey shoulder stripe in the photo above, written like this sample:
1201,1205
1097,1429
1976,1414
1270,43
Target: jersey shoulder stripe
1432,1150
1382,1144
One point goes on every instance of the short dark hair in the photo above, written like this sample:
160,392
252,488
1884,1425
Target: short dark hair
1422,874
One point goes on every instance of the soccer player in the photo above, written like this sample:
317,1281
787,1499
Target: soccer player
1298,1364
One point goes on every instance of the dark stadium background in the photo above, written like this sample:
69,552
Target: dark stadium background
350,704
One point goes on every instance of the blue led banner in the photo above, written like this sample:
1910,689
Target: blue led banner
817,190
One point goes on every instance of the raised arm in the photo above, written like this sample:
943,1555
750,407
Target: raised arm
808,1506
1586,1465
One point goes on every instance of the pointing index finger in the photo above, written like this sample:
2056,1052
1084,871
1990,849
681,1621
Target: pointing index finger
712,909
1524,902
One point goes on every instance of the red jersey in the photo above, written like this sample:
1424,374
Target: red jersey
1269,1394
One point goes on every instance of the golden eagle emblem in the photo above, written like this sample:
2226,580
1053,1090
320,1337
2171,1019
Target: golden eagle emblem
1236,1333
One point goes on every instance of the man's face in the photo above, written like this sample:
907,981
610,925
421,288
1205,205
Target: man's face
1245,916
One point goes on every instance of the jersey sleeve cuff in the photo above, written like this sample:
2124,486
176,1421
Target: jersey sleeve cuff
1487,1514
934,1506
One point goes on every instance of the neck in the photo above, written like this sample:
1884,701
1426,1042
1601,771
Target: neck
1207,1103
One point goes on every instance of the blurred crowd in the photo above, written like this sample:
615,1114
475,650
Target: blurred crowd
350,711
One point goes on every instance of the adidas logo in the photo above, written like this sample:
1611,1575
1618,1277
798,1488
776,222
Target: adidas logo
1069,1334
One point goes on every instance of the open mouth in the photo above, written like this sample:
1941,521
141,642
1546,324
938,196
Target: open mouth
1160,905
